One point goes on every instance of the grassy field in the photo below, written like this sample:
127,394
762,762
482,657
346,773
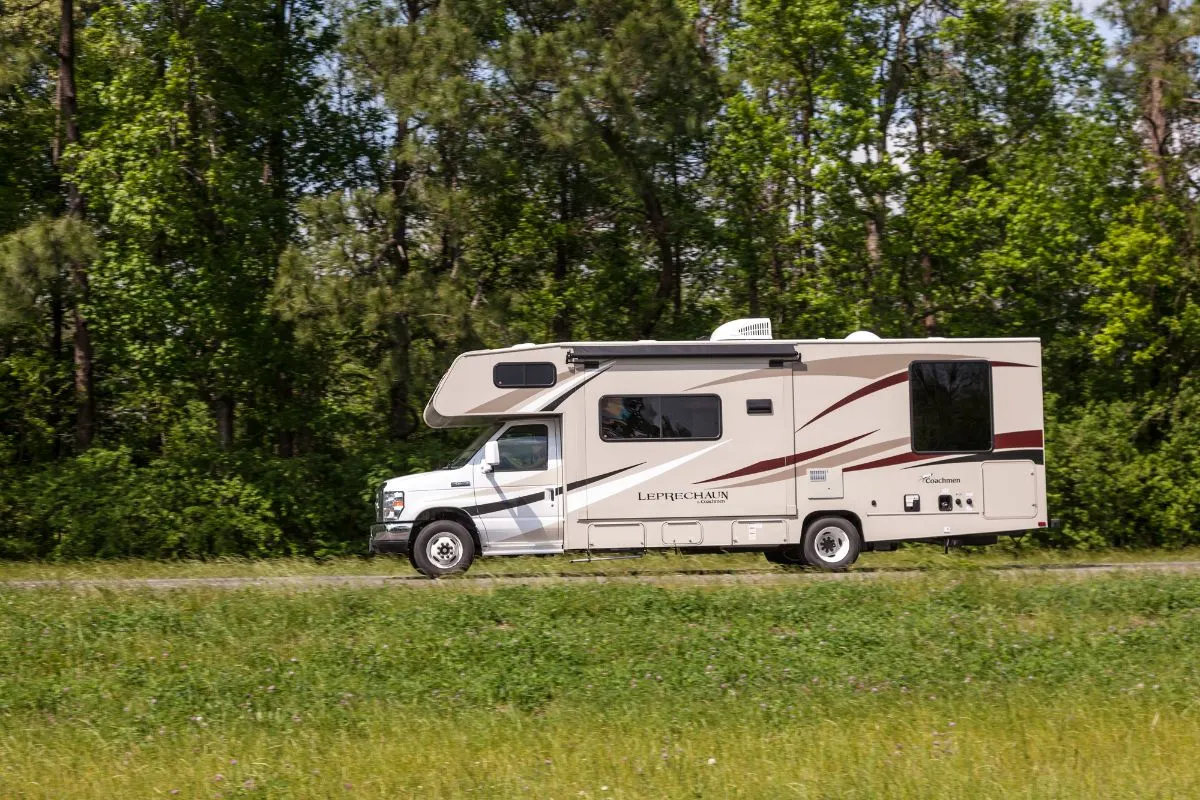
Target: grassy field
955,684
913,555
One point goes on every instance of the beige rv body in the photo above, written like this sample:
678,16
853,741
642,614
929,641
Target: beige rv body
837,441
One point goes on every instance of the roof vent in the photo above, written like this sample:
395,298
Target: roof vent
862,336
742,329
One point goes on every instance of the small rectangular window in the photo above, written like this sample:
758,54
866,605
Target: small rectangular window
524,448
667,416
520,375
951,406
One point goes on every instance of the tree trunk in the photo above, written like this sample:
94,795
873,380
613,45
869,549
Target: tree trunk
1156,127
400,417
399,334
560,326
58,320
68,109
657,222
223,411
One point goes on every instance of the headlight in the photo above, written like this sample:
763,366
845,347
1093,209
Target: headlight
391,506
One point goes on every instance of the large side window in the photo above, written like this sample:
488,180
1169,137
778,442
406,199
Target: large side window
661,416
951,406
524,448
521,375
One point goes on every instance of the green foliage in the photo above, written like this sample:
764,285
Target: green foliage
1127,477
295,215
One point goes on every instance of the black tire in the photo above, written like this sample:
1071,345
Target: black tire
790,555
443,547
832,543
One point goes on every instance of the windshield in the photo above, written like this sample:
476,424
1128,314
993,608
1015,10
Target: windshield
470,450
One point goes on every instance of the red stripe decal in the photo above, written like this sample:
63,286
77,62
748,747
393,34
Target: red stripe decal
1008,364
1004,441
784,461
1018,439
870,388
902,458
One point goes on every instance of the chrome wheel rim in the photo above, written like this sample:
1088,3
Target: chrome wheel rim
444,550
831,544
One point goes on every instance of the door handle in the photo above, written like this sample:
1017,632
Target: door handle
548,494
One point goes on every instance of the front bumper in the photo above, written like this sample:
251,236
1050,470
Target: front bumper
390,537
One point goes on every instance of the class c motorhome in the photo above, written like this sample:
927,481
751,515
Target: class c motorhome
809,451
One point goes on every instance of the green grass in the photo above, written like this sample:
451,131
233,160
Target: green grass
912,555
955,684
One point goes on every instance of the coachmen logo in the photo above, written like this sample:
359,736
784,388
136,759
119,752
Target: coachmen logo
699,497
931,478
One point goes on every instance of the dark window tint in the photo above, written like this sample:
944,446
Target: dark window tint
516,375
523,448
951,406
691,416
629,418
671,416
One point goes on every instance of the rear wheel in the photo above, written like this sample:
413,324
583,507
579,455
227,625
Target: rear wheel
443,547
832,543
790,555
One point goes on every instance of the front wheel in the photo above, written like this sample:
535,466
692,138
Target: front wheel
443,547
832,543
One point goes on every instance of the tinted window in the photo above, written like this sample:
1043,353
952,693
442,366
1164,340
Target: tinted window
951,406
523,448
691,416
670,416
518,375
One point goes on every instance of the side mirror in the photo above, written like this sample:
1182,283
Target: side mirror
491,455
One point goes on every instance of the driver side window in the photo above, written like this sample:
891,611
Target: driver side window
524,448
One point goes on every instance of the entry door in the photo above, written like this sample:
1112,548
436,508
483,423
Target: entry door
519,503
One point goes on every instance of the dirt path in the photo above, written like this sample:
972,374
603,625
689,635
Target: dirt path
688,578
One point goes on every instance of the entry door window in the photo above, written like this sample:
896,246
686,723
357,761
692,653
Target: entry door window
524,448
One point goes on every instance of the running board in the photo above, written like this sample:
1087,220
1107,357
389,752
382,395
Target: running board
590,558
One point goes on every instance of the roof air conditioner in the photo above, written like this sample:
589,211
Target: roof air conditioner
862,336
742,329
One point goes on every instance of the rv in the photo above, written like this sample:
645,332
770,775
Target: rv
809,451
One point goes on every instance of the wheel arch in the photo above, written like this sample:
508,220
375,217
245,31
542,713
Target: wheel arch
449,513
849,516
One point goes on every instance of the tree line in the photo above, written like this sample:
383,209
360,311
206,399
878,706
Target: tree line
240,240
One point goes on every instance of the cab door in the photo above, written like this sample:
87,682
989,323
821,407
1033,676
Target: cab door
519,501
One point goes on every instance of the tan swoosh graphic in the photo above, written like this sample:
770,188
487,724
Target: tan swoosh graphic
752,375
513,397
874,366
853,455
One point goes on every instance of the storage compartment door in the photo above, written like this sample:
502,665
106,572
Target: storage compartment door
1009,490
687,532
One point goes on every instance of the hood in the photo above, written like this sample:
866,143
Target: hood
437,481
